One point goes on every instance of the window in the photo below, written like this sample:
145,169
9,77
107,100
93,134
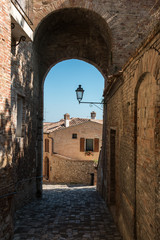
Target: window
89,144
74,135
20,116
46,145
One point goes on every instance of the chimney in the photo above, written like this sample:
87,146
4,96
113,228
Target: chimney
66,120
93,115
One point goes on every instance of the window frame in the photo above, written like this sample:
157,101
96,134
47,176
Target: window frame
87,148
74,135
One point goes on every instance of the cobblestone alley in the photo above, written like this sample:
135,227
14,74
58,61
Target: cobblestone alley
66,212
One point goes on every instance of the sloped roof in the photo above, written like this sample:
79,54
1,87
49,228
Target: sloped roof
54,126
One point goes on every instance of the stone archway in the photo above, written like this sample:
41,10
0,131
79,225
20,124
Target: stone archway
74,33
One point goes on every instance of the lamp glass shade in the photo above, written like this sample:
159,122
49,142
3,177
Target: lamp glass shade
79,93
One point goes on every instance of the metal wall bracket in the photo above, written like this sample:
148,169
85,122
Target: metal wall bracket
22,38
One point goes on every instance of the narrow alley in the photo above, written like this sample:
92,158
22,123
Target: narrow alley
66,212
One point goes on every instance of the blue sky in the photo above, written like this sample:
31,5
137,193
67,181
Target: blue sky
59,90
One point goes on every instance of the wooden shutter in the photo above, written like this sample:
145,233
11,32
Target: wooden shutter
96,145
82,144
46,145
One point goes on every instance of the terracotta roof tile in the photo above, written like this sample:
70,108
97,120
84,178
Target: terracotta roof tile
54,126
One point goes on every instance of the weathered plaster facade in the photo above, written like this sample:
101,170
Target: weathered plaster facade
104,33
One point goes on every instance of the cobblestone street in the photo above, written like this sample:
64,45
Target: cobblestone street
66,212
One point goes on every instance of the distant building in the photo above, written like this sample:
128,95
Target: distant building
71,149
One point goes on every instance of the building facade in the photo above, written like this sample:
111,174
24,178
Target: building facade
71,150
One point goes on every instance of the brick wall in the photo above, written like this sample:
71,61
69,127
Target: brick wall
119,18
104,39
18,160
24,148
133,110
6,172
5,83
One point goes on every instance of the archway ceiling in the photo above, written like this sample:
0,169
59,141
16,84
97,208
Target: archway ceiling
129,21
74,33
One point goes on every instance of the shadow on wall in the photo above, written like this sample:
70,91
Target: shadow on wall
18,151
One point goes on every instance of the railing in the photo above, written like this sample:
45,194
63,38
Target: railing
25,7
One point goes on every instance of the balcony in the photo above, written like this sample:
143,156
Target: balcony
21,15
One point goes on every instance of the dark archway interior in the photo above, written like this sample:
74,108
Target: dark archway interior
73,33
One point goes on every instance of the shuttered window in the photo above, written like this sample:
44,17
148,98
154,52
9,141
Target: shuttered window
96,145
82,144
89,145
46,145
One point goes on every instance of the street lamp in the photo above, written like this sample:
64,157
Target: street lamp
79,92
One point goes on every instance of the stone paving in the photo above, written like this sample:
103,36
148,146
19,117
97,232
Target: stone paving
66,212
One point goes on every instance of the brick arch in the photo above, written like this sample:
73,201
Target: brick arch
43,8
76,58
70,33
149,63
73,33
146,145
119,17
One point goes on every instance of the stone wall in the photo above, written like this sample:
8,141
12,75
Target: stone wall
65,170
133,113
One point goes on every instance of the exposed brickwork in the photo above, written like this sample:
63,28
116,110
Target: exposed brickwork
6,174
119,17
5,81
132,106
145,171
98,32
